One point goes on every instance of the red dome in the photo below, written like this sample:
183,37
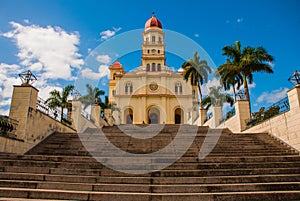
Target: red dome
117,63
153,22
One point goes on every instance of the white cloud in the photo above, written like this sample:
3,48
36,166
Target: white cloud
109,33
44,91
211,83
273,96
4,112
26,21
239,20
196,35
102,72
48,49
105,59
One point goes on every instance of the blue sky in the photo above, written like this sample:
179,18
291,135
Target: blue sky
53,38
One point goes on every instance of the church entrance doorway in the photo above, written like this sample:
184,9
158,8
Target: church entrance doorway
178,116
153,116
128,116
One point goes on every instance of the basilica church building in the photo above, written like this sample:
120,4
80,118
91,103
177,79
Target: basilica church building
153,93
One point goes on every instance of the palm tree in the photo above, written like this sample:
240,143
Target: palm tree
196,71
246,62
92,97
230,79
216,98
58,99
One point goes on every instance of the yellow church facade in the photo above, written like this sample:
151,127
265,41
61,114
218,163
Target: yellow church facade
153,93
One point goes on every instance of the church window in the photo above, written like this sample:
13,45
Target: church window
178,88
158,67
128,88
148,68
153,67
153,51
159,40
158,51
153,39
148,51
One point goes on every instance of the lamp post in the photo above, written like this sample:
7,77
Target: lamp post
294,79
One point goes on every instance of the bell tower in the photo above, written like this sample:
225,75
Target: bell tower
153,48
116,72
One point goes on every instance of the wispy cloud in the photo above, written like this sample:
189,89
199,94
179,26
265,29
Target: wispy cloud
102,72
272,96
104,35
104,58
48,50
239,20
196,35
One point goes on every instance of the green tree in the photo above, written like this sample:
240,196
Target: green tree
245,62
59,99
92,96
216,98
230,79
196,71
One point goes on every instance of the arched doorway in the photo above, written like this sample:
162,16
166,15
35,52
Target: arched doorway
154,116
128,116
178,116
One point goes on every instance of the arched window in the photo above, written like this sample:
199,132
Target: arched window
148,68
158,67
153,67
178,88
158,51
113,92
153,39
114,76
159,40
148,51
128,88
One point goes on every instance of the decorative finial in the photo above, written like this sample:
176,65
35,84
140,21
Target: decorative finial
27,78
295,78
153,14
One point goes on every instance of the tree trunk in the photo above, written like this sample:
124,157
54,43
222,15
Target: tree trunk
234,93
247,91
200,94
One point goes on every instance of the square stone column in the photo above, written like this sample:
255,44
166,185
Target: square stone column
294,98
217,116
202,116
23,98
95,114
242,111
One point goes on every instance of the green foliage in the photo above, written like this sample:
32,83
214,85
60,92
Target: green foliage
262,114
196,71
59,99
244,62
92,96
216,98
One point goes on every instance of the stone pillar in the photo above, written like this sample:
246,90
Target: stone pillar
76,114
108,116
117,117
95,114
202,116
23,98
217,116
242,111
294,98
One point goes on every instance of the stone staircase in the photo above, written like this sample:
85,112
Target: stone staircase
240,167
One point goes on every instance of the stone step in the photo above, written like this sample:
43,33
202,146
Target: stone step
153,180
154,188
116,196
